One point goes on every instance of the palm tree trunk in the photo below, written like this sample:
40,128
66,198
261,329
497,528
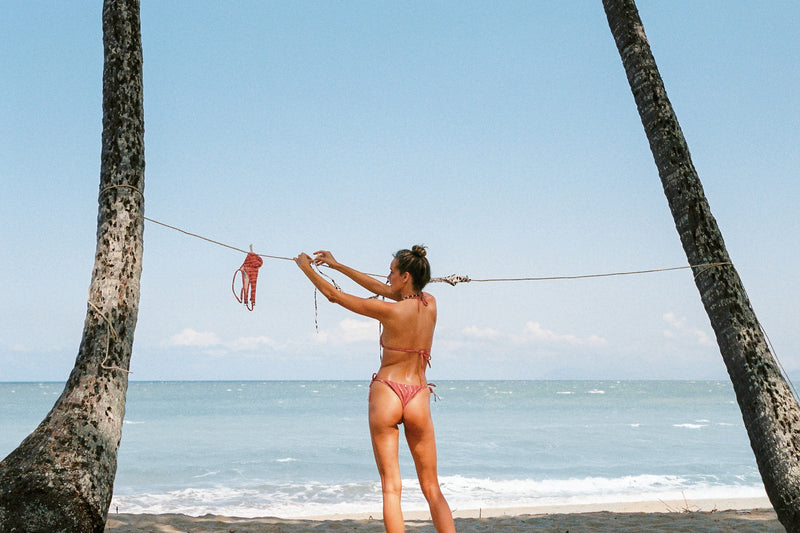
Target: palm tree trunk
770,412
60,479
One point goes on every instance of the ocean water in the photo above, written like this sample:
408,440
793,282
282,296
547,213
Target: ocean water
294,448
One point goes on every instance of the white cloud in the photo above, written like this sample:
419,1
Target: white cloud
321,336
252,343
213,345
348,331
595,340
353,330
481,333
190,337
534,332
679,329
674,321
703,338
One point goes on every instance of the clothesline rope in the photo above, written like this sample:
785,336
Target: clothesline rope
455,279
452,279
215,242
131,187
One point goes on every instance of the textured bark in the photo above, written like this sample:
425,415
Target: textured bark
770,412
60,479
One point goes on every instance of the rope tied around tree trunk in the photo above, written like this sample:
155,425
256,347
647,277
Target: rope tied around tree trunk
111,332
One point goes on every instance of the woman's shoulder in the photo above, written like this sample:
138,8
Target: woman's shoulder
428,298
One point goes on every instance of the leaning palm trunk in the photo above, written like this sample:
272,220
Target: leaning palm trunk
60,479
770,411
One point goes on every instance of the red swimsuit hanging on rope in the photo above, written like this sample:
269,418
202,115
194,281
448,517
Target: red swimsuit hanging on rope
249,270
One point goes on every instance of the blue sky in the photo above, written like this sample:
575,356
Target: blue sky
502,135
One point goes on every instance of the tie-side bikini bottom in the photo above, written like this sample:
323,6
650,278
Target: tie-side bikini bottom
405,391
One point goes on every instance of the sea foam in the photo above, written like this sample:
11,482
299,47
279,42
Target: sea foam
314,499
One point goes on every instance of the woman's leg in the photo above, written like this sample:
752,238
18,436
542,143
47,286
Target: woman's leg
419,434
385,412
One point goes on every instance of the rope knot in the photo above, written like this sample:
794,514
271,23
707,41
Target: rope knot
452,279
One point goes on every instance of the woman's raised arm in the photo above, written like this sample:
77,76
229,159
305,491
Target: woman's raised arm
372,308
324,257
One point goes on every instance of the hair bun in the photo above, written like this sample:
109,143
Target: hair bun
419,250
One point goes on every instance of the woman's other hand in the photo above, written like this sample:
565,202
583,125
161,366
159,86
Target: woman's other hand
324,257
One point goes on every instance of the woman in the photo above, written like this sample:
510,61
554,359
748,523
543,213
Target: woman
399,393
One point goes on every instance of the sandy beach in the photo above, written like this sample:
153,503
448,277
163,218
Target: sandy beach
743,515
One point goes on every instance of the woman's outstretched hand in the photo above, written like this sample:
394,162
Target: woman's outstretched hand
303,260
324,257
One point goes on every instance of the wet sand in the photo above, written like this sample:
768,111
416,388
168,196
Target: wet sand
746,515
